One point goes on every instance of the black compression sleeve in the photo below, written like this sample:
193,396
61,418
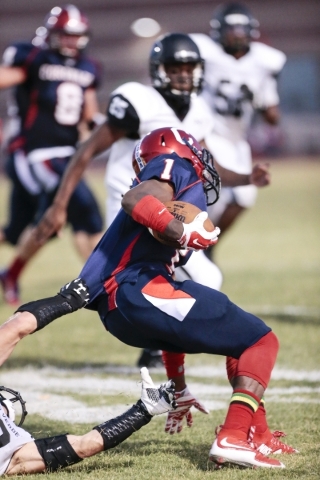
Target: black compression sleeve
118,429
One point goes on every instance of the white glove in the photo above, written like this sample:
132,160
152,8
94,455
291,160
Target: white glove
195,236
157,400
185,400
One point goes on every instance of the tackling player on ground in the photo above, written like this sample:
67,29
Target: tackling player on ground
20,453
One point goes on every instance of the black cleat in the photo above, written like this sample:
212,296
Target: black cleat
150,359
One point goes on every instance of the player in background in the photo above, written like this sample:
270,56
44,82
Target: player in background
54,91
129,281
176,71
20,453
240,79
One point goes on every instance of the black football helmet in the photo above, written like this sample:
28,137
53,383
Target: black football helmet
171,49
8,397
236,18
168,140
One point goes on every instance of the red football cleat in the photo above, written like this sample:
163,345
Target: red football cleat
228,448
268,442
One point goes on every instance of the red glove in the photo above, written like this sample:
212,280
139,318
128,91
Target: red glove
184,400
195,236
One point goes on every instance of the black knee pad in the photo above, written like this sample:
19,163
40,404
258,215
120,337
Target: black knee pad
56,452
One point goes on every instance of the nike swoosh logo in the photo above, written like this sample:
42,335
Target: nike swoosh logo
163,210
197,243
225,443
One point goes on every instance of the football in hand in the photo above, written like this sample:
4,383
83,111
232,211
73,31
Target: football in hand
185,213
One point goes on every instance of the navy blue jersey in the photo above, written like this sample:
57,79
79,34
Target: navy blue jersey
50,101
128,246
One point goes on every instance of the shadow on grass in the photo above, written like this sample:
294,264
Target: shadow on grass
195,454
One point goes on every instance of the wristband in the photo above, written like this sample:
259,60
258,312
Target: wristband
152,213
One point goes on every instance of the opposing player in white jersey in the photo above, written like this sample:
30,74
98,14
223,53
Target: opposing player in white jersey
240,78
20,453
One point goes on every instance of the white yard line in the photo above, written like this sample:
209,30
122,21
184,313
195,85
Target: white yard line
48,391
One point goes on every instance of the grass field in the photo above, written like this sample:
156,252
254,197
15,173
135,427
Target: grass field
74,374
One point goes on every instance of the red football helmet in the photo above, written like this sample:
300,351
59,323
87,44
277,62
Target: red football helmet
168,140
68,30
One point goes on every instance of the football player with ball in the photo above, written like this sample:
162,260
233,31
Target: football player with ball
129,281
176,71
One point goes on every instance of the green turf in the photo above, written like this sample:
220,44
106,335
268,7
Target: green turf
271,265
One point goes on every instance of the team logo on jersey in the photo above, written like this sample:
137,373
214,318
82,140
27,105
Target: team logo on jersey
61,73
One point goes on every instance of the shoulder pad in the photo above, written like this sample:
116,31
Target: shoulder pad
268,57
205,44
143,98
16,53
130,89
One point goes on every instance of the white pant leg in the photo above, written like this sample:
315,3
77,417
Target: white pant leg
113,204
202,270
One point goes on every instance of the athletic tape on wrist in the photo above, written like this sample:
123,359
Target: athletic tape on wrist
152,213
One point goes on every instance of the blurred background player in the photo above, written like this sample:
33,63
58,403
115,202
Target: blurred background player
240,79
20,453
55,90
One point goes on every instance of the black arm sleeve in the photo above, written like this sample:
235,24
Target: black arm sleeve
118,429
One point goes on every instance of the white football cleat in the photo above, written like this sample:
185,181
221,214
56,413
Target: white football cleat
230,449
157,400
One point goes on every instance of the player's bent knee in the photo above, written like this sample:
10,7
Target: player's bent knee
56,452
258,360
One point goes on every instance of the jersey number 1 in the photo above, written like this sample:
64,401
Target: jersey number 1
166,174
